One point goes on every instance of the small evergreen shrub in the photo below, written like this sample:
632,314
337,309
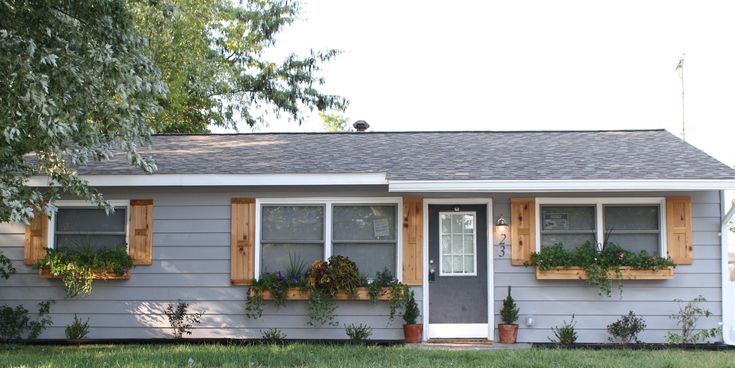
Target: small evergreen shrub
180,319
411,310
626,329
509,312
78,330
565,335
360,332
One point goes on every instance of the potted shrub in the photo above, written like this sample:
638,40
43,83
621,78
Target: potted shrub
508,330
412,331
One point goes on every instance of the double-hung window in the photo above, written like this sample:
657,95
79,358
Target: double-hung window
635,224
79,224
365,231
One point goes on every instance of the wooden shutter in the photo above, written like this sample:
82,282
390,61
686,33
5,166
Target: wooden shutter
141,231
242,241
679,229
523,229
36,239
413,217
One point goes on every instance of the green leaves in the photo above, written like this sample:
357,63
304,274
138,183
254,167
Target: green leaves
78,86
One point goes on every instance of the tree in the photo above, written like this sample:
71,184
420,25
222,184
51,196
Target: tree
334,122
211,54
77,84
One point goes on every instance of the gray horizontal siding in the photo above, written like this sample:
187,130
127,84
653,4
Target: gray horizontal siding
553,301
191,262
191,255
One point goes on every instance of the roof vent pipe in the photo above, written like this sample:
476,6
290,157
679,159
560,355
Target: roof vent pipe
361,126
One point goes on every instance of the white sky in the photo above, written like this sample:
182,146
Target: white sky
527,65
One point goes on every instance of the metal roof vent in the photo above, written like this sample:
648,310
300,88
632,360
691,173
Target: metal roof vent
361,126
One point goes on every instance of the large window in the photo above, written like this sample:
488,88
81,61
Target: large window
77,225
367,233
635,224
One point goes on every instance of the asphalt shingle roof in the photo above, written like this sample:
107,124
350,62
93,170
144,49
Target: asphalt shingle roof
527,155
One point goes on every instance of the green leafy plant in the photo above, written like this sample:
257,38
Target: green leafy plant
321,308
273,336
411,310
15,324
566,334
78,330
376,288
509,312
6,267
359,332
687,319
77,266
626,329
180,319
597,264
398,298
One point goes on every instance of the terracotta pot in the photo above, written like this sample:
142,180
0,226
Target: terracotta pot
508,333
413,333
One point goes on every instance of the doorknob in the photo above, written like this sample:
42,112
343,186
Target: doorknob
432,272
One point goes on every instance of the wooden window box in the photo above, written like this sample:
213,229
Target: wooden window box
301,294
628,273
98,275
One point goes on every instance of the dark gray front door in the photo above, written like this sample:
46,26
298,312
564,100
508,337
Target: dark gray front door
457,269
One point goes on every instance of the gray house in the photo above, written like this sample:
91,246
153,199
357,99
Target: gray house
223,209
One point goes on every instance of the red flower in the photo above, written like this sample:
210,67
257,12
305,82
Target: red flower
621,256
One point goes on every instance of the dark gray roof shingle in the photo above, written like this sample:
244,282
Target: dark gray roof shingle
528,155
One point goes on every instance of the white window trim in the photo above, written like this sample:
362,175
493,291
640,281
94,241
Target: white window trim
328,202
599,202
474,245
61,204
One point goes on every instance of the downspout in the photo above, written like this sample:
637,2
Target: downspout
727,288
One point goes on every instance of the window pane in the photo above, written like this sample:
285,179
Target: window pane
88,241
277,257
637,242
90,220
370,258
364,222
569,241
457,243
568,218
283,223
631,218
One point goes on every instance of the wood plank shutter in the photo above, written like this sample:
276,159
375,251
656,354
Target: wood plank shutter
141,231
413,217
36,239
242,241
679,229
523,229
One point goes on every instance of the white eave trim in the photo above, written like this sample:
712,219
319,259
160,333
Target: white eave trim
160,180
550,186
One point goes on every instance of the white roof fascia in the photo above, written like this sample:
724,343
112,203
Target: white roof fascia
550,186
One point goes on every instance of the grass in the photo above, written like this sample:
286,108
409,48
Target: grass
304,355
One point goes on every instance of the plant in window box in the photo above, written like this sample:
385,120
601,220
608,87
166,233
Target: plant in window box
599,267
508,330
77,267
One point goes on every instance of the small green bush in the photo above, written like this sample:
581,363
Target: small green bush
273,336
15,324
360,332
565,335
626,329
78,330
687,319
411,312
180,319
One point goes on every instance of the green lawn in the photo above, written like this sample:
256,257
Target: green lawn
300,355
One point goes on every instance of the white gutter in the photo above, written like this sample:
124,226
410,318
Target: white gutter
459,186
727,285
158,180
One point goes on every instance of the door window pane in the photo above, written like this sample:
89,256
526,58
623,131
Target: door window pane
458,243
80,228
